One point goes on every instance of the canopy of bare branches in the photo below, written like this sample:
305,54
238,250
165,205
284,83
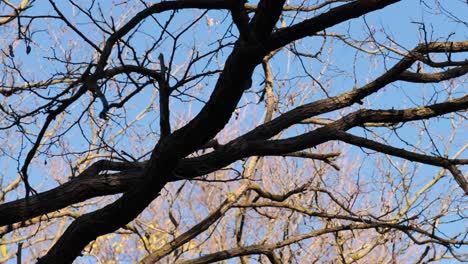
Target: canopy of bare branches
200,131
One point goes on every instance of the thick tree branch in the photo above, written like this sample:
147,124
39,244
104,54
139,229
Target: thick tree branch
333,17
433,77
233,81
244,146
88,185
328,158
309,110
265,18
301,8
103,221
164,93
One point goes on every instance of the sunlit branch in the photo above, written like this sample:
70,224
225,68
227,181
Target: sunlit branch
16,12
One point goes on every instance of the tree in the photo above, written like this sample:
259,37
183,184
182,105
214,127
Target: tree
197,131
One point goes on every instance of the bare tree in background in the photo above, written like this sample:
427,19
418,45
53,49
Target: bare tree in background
198,131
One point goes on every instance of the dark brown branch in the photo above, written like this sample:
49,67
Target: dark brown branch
327,157
278,197
70,25
265,18
233,81
405,154
305,111
301,8
241,20
243,147
103,221
164,92
433,77
273,258
109,73
87,185
333,17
